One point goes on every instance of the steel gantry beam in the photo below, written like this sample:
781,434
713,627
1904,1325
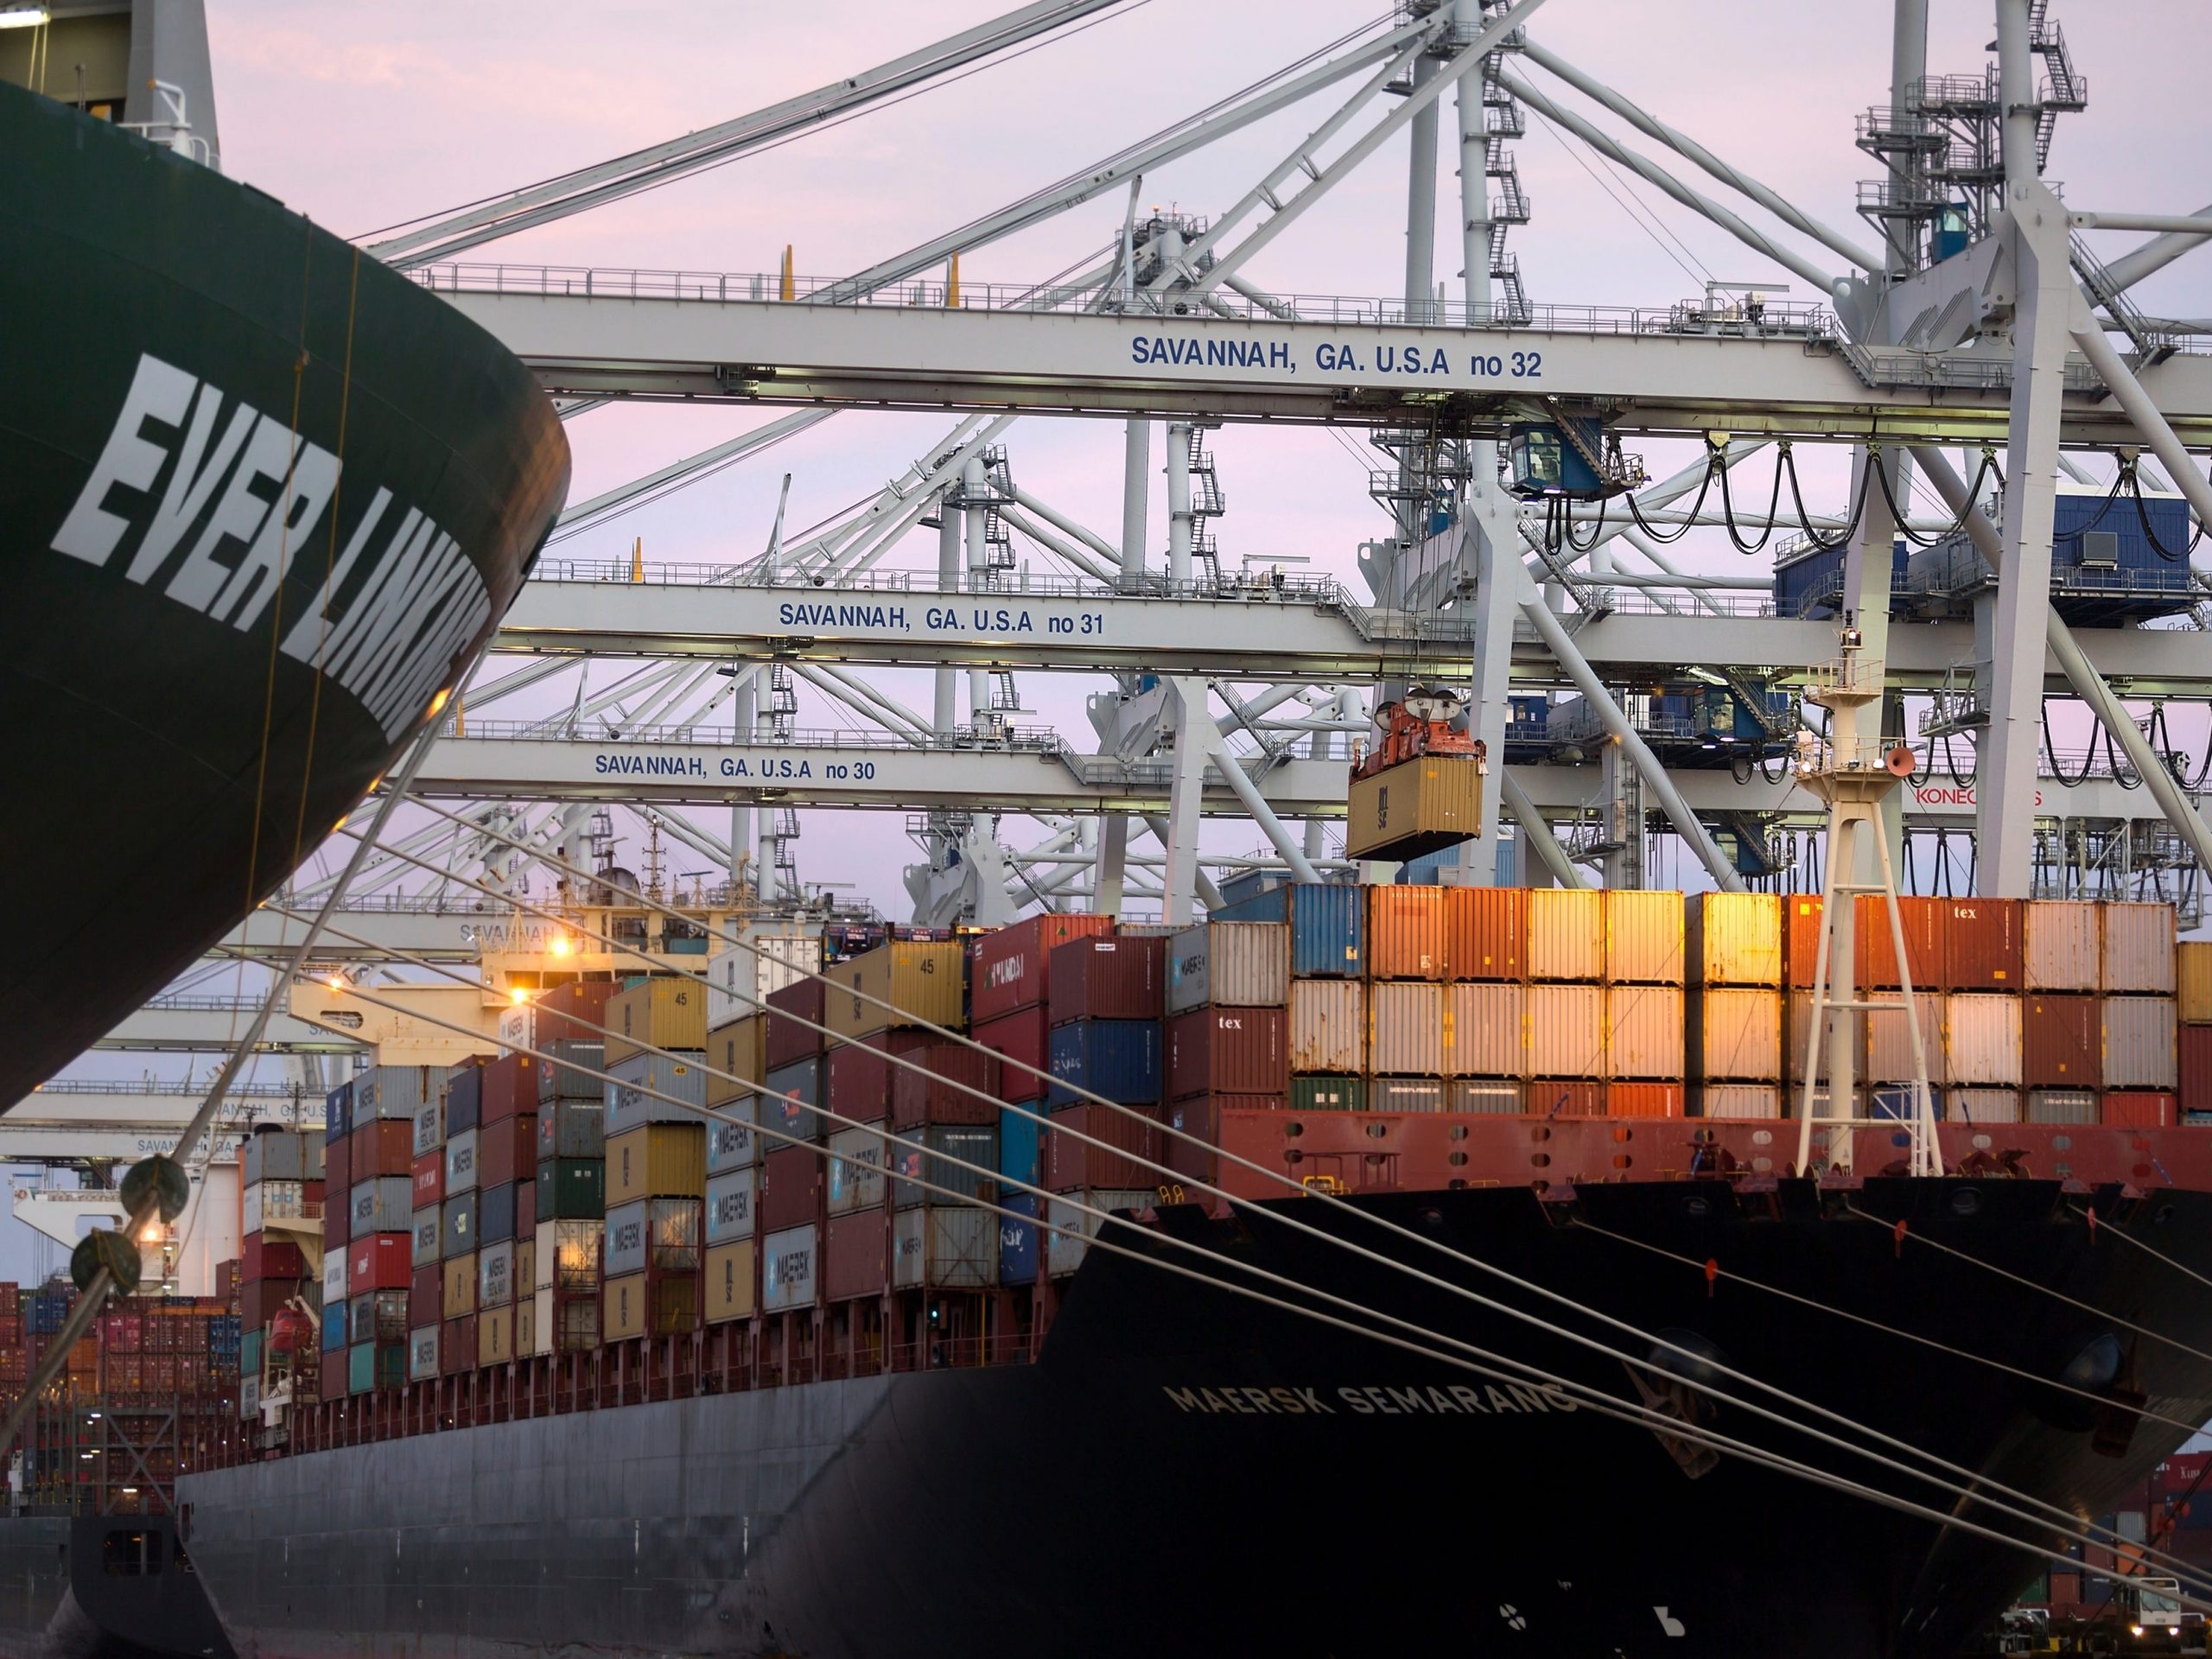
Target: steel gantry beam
693,338
212,1024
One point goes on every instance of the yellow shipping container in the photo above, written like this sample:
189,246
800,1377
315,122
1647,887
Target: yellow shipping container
1643,936
729,1282
664,1013
624,1313
633,1308
1732,938
739,1048
495,1337
1422,806
460,1280
658,1160
1567,934
526,1325
2195,959
525,1271
924,982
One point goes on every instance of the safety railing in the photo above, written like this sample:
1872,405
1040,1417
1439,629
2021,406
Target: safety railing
1028,739
156,1086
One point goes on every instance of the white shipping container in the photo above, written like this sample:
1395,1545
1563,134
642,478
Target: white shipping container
1735,1031
1740,1100
1982,1105
788,1261
1733,938
738,980
953,1247
1485,1029
2140,1040
1328,1024
1407,1035
1063,1250
1234,964
1643,1032
854,1173
2062,1106
334,1277
1981,1040
729,1207
518,1027
1566,1029
250,1397
541,1327
629,1107
2139,955
2063,945
250,1213
461,1162
733,1145
430,1129
1887,1057
495,1274
1567,933
1643,936
422,1354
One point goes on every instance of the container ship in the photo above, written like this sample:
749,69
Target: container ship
723,1313
265,501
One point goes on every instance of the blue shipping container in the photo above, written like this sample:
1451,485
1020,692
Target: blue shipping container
1896,1102
337,1114
1021,1141
1018,1240
333,1327
1328,926
1118,1058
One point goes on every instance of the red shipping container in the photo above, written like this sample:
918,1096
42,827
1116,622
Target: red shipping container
429,1178
787,1039
791,1190
425,1297
1012,966
337,1223
860,1073
262,1256
378,1263
384,1145
2182,1475
856,1256
578,1009
1644,1100
1130,1157
1486,932
1567,1097
1985,943
940,1095
1800,937
509,1086
1122,978
261,1299
526,1209
1024,1041
508,1150
338,1165
457,1345
333,1384
1218,1050
2062,1043
2196,1062
121,1333
1200,1117
1927,931
2140,1109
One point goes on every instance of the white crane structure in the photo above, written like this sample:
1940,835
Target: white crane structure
1965,312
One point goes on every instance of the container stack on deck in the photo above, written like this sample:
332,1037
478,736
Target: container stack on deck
281,1174
568,1200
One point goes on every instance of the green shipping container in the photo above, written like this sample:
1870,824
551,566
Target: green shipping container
1325,1093
372,1365
572,1189
249,1354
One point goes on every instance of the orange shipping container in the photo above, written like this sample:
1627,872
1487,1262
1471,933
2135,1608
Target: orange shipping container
1405,934
1566,1031
1488,1028
1734,1031
1643,1032
1643,936
1984,949
1486,932
1733,938
1925,947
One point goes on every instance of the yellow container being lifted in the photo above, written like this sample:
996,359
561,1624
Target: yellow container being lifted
1421,790
924,981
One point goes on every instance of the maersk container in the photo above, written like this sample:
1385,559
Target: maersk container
1118,1060
629,1106
495,1274
1327,926
2141,1038
1078,1217
2138,948
395,1091
1643,1032
383,1203
738,980
334,1276
733,1145
728,1286
461,1161
460,1226
1408,1095
1567,1027
428,1236
1732,938
944,1247
1888,1056
1021,1146
737,1060
1018,1254
1320,1092
661,1235
729,1207
1982,1105
1408,933
1328,1024
422,1354
1643,936
572,1128
1484,1030
1739,1100
789,1268
1567,934
1484,1097
1981,1040
430,1129
1734,1032
464,1096
854,1171
1231,964
925,1155
2064,945
338,1113
1408,1035
1012,969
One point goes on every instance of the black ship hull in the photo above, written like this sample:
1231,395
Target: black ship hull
101,1587
1183,1470
262,501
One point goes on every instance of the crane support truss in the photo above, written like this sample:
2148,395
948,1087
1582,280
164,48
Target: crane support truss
675,336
